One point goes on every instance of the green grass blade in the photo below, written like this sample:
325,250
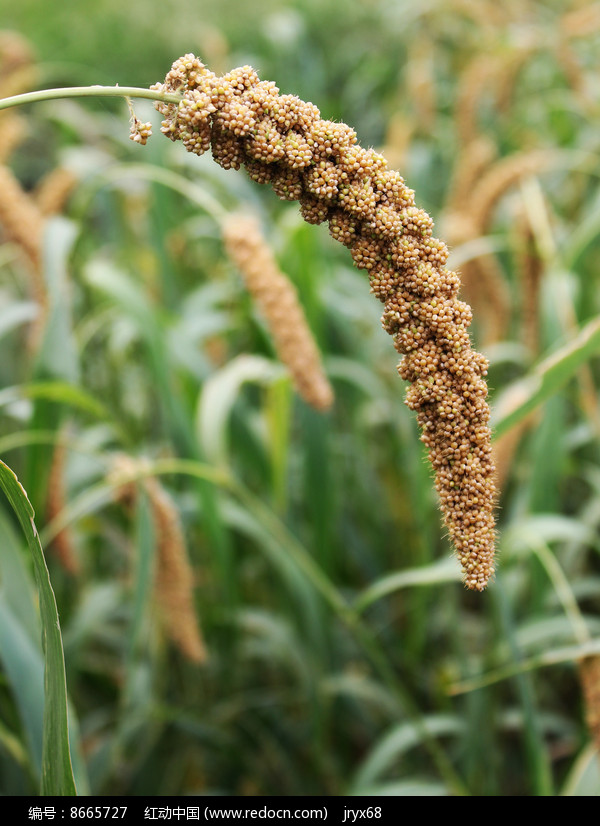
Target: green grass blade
57,773
58,356
554,656
546,379
395,743
13,746
24,669
18,590
219,396
55,391
584,778
15,314
445,570
403,788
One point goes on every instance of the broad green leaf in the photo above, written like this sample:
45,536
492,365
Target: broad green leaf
403,788
21,654
445,570
361,689
547,378
12,745
538,635
549,657
57,773
584,778
158,174
20,642
361,376
55,391
219,395
132,298
15,314
545,527
24,667
269,637
94,608
392,746
124,291
17,585
58,356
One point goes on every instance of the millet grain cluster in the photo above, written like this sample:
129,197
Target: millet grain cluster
278,301
174,575
283,141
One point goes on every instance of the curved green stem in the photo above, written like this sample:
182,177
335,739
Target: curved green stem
86,92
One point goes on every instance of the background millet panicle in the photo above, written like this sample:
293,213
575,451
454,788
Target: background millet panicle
278,302
283,141
174,576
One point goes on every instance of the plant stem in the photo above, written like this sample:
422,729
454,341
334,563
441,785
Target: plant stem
88,91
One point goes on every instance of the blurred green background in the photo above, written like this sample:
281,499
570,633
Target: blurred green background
332,648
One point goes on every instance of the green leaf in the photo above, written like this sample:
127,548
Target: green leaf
398,740
218,398
57,772
404,788
445,570
58,356
15,314
24,668
572,653
55,391
583,779
17,586
523,396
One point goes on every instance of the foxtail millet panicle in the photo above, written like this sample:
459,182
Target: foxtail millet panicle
22,215
12,133
20,218
283,141
139,132
278,302
589,676
62,545
53,191
581,22
174,576
17,70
